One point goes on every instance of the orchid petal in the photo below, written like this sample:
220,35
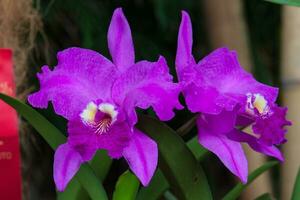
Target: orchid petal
86,141
200,99
81,76
253,142
116,140
67,162
221,69
142,156
228,151
243,120
119,41
271,129
184,55
82,138
218,82
147,84
223,122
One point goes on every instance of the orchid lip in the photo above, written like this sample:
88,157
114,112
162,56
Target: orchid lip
100,117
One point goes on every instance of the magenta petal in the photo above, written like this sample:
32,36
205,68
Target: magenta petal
119,41
184,55
243,120
84,139
117,139
147,84
253,142
228,151
223,122
218,82
271,128
221,69
142,155
81,76
66,163
199,99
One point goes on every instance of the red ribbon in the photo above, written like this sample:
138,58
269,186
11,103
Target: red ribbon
10,174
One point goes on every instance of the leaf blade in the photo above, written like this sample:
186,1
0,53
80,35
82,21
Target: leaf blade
155,189
38,121
265,196
286,2
176,161
296,191
54,138
239,188
196,148
100,164
126,187
69,193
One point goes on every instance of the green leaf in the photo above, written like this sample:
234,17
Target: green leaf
159,184
169,196
265,196
90,183
127,187
100,164
155,189
296,192
178,164
198,151
69,192
286,2
239,188
187,127
54,138
47,130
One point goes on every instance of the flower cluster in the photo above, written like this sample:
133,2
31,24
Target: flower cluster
98,98
226,98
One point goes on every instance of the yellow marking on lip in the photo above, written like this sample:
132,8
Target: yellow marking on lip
260,103
101,126
89,113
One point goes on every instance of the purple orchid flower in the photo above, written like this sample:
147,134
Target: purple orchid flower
98,98
227,97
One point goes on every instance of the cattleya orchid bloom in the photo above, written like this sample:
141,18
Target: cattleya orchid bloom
227,97
98,98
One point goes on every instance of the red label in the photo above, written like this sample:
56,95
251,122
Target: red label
10,174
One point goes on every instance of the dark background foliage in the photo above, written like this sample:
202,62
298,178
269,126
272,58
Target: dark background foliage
154,25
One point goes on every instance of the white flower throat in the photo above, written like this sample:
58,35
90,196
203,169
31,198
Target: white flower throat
102,125
258,102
